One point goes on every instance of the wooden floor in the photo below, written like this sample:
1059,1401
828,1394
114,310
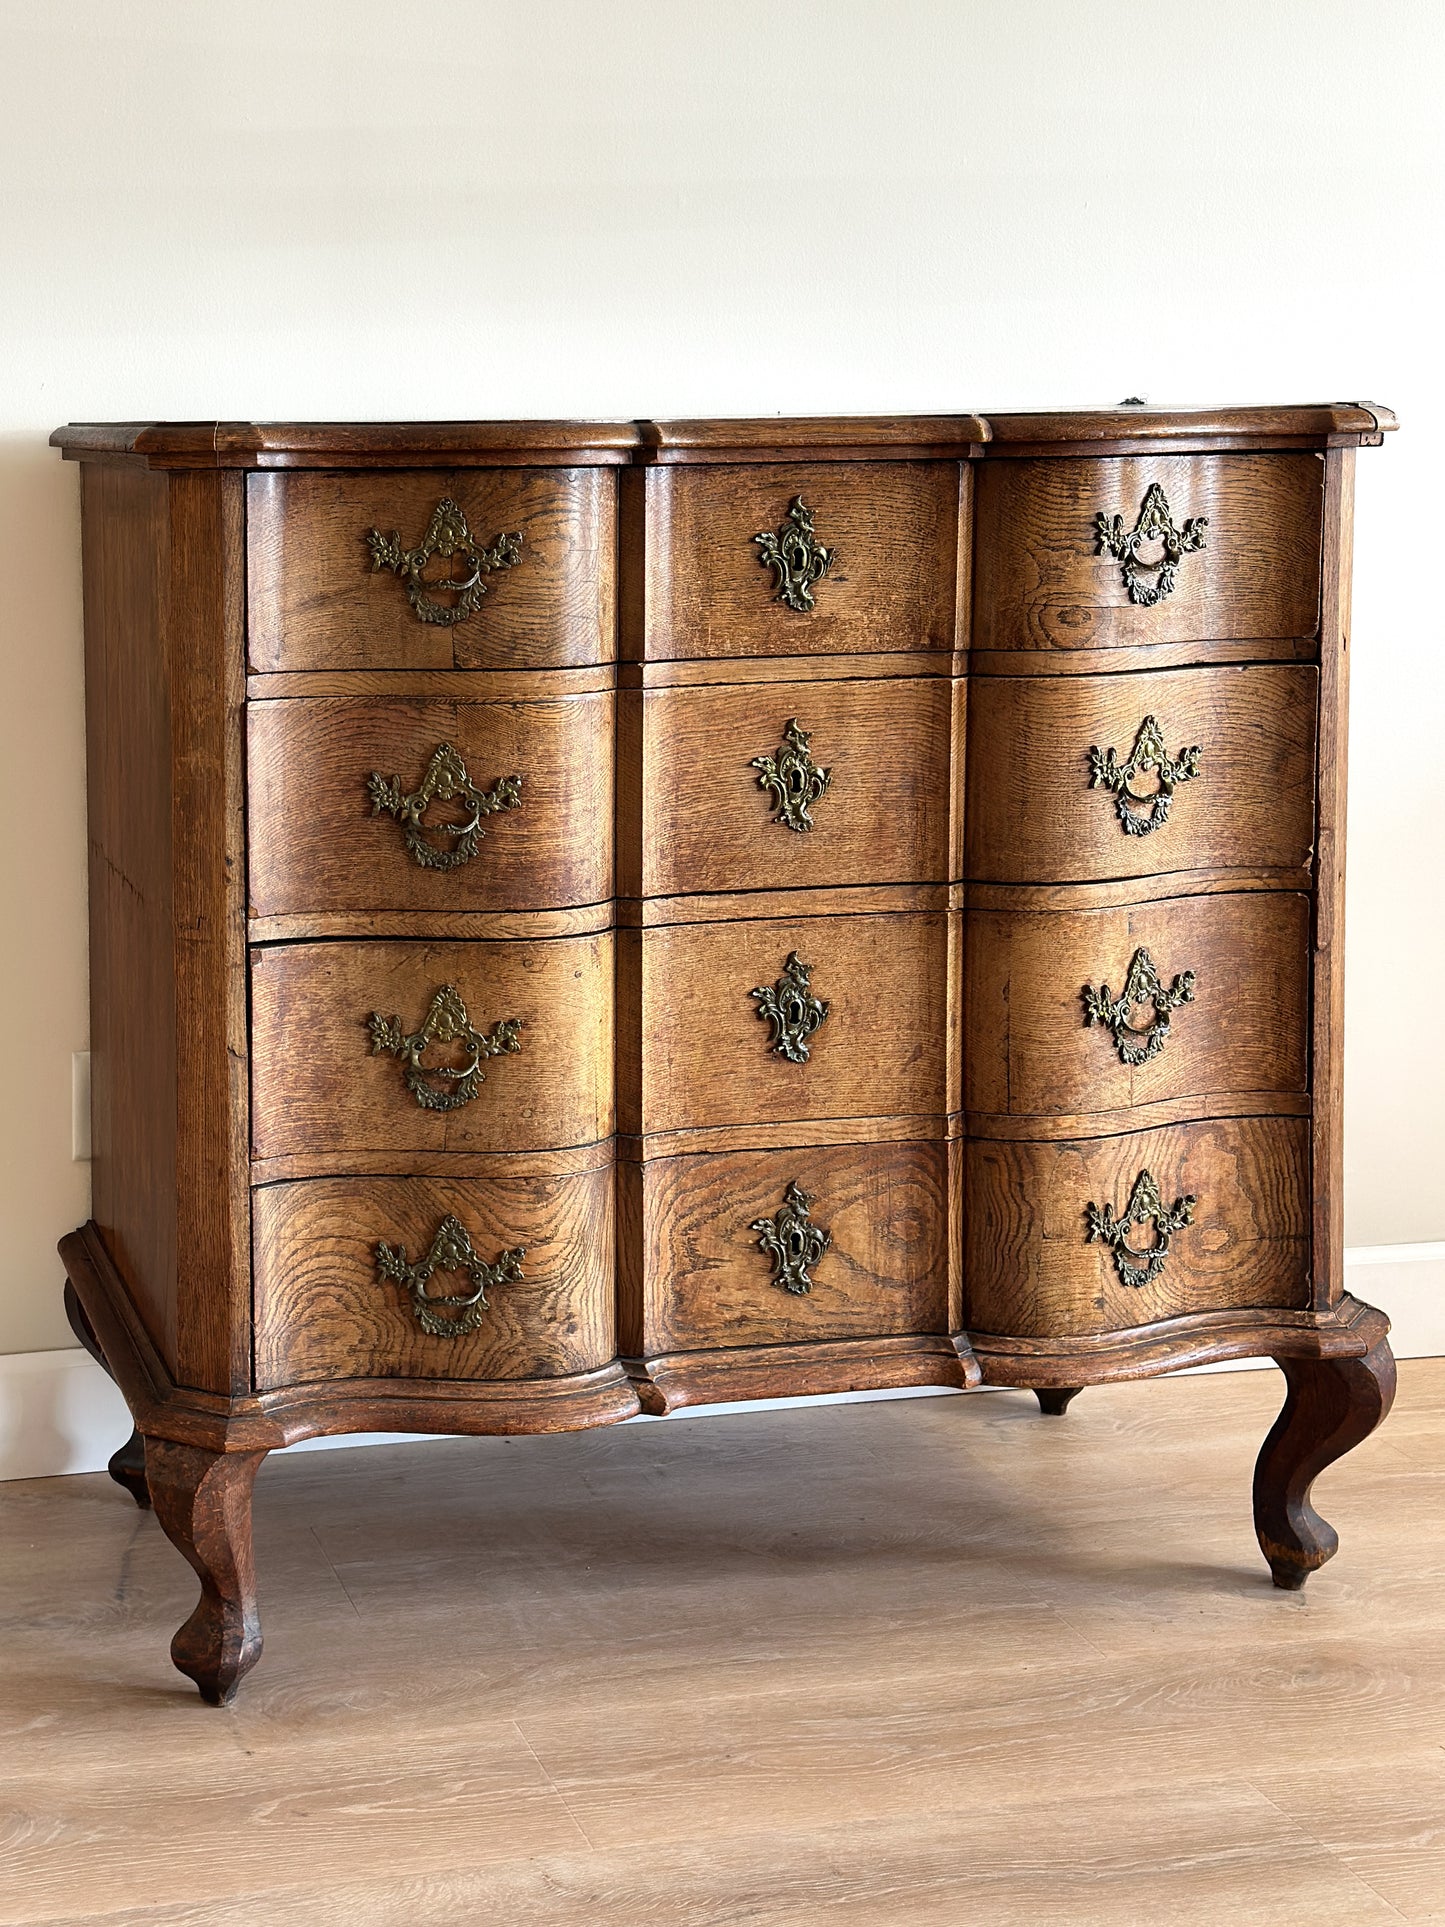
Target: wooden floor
934,1661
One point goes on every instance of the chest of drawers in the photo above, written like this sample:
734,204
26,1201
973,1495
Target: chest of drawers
591,918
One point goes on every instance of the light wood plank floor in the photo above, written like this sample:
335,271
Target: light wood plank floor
934,1661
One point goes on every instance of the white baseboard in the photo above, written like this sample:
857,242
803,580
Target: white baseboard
60,1413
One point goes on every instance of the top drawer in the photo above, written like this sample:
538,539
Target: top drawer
468,568
1133,550
827,558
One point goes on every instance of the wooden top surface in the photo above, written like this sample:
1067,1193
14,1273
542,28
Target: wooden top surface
769,438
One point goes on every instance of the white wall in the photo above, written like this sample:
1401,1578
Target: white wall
354,210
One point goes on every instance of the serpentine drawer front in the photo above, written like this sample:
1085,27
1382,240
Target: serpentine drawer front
591,918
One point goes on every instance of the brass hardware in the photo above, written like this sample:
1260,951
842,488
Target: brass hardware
796,557
1155,524
1145,1207
792,1241
451,1250
446,781
1141,814
792,1009
1141,986
445,1023
447,535
792,779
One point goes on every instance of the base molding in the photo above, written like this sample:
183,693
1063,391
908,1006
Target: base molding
667,1383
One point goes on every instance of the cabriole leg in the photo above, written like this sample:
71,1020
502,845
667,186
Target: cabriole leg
1331,1404
203,1501
128,1465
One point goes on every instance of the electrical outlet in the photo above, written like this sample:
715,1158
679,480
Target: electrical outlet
80,1106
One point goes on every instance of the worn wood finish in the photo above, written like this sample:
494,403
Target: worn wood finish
695,817
668,1383
813,438
324,1313
1030,1052
1032,816
1029,1268
319,846
203,1502
127,1463
265,445
320,1090
704,591
1319,423
701,1280
317,603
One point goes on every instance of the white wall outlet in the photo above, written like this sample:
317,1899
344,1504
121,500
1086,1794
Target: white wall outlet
80,1106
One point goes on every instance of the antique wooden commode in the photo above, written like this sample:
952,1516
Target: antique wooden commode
590,917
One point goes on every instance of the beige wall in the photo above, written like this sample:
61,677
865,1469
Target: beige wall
350,209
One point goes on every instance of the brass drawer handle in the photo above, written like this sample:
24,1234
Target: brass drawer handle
792,1241
1142,986
791,1008
796,557
446,781
448,536
451,1315
1138,814
1145,1207
1155,524
792,779
445,1023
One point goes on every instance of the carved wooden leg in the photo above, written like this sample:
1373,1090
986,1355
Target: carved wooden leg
128,1465
203,1501
1054,1399
1331,1405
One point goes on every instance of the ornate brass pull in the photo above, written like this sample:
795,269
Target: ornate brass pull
1145,1206
792,1009
1141,986
446,781
1155,524
451,1250
447,535
796,557
792,779
1141,814
792,1241
443,1087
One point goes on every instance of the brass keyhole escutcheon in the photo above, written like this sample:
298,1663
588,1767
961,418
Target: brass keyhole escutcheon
1143,988
448,536
445,781
796,557
1140,812
792,1241
443,1087
793,781
1149,578
449,1315
792,1009
1139,1265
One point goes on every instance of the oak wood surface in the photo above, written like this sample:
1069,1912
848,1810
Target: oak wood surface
203,1502
1245,1028
317,603
1138,422
671,1381
1029,1267
322,1311
1033,817
581,920
346,444
319,1089
319,845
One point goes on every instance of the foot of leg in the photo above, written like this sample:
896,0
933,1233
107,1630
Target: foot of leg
1331,1404
203,1501
1054,1399
128,1468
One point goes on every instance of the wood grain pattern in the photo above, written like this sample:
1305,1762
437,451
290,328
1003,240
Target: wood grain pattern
1032,816
319,1089
317,603
323,1313
670,1382
318,845
1316,421
700,821
1040,582
705,1282
203,1502
1028,1267
1246,1030
894,527
346,444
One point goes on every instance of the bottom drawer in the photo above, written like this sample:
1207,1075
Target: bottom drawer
782,1247
328,1306
1240,1237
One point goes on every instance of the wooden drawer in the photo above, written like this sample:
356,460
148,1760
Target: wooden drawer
326,1309
1047,578
708,1280
711,821
317,602
713,1057
1193,996
319,1088
326,837
1031,1271
706,587
1036,815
